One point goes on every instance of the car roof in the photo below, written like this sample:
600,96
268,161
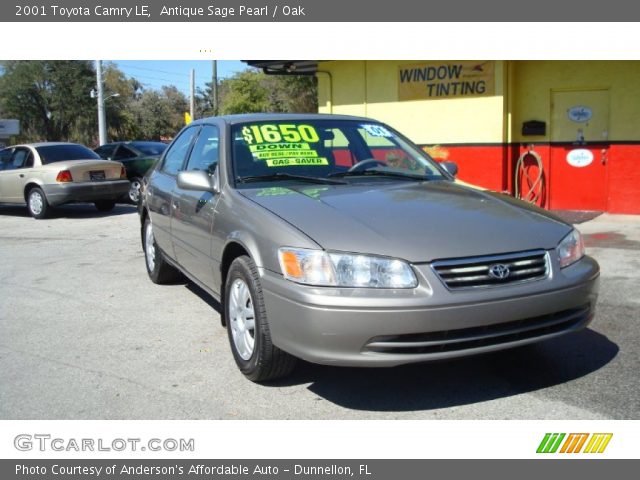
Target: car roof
134,142
43,144
262,117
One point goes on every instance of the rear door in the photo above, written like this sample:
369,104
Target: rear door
161,186
580,151
193,213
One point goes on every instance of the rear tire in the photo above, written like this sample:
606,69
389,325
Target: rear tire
247,326
159,270
105,205
37,203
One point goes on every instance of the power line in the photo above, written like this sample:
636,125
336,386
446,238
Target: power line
123,67
167,80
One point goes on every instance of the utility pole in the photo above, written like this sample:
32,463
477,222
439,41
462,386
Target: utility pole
102,122
193,92
214,87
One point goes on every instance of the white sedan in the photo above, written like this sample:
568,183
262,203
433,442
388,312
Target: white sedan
45,175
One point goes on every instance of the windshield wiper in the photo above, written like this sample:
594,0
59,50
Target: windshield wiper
380,173
288,176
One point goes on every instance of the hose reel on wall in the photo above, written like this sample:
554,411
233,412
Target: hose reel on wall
530,184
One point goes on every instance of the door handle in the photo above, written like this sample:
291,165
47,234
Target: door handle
174,205
603,156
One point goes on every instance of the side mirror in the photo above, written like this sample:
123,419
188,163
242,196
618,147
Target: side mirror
197,180
450,167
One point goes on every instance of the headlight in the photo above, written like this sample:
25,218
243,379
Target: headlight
332,269
570,249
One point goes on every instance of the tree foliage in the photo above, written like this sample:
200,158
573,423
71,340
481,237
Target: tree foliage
53,103
159,114
51,99
251,91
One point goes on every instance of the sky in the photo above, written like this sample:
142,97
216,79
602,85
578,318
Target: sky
156,73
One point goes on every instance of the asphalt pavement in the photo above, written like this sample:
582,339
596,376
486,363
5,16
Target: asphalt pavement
84,334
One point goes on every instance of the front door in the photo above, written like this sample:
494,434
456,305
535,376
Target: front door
161,186
193,214
579,150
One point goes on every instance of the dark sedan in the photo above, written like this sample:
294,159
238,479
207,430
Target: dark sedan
136,156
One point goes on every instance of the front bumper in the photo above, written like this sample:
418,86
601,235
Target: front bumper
60,193
367,327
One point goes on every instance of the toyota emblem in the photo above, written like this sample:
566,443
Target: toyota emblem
499,271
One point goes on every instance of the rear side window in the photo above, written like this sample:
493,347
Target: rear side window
178,151
204,155
106,151
153,149
62,153
124,152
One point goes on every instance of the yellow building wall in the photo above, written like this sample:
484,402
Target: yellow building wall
533,82
370,88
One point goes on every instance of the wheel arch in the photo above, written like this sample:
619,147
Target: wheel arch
30,185
234,248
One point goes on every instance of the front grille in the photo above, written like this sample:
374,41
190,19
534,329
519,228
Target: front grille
474,272
478,337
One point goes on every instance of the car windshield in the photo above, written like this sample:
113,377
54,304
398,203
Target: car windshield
153,149
61,153
349,150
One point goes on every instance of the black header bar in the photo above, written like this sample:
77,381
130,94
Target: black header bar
324,11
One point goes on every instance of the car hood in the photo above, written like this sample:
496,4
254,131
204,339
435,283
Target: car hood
418,222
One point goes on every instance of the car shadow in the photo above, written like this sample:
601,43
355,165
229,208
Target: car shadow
455,382
204,296
458,382
76,210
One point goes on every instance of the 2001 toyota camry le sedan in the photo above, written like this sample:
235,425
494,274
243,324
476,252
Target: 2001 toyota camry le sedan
336,240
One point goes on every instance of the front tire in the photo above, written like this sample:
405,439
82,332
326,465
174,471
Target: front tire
159,270
105,205
37,203
134,190
247,326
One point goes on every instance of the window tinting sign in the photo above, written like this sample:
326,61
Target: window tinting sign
435,80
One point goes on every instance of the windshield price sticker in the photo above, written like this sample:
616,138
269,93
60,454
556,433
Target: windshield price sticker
285,154
272,133
294,162
377,131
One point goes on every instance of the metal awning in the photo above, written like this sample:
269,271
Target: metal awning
285,67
